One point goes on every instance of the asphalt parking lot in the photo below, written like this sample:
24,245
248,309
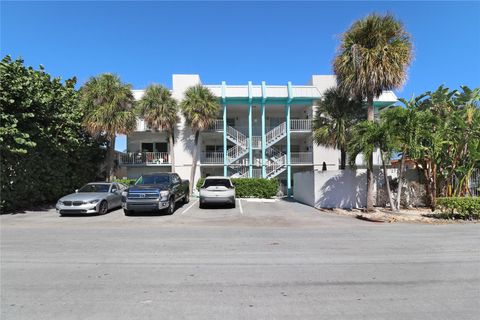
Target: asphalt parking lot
260,260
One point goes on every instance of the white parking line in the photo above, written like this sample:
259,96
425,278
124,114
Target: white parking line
189,207
240,205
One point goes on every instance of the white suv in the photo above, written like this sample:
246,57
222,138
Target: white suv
217,190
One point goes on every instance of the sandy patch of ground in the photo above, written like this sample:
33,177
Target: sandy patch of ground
414,215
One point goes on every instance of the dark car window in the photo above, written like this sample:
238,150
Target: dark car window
163,179
217,183
95,188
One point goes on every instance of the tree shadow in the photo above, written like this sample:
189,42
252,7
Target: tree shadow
342,189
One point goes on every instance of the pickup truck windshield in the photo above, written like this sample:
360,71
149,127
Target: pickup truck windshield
163,179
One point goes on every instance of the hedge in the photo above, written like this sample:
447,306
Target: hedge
125,181
460,207
251,187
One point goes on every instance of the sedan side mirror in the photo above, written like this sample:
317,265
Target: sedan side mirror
113,190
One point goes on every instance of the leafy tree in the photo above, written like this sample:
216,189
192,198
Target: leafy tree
334,119
373,57
160,111
200,108
368,137
45,151
108,106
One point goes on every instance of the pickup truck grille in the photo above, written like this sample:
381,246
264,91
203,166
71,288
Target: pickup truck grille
143,195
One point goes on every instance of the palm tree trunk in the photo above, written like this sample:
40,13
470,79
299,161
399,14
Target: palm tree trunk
387,183
343,158
400,180
172,153
194,162
433,189
110,158
370,196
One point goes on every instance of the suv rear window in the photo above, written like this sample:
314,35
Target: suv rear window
217,183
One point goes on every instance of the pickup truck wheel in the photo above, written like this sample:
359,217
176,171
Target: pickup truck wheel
186,199
171,206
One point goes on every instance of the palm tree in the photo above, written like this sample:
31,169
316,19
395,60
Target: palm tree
373,57
334,118
108,110
404,124
160,111
200,108
368,137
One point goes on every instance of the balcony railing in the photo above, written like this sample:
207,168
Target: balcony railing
301,158
145,158
217,125
211,158
300,124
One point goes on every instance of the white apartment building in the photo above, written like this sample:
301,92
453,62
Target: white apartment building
262,130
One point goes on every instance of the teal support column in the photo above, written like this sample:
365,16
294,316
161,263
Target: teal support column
264,140
225,158
287,116
250,131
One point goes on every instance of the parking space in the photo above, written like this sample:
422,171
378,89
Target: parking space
262,260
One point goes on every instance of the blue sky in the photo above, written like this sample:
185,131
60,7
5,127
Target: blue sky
146,42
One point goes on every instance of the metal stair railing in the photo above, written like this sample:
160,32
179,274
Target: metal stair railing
236,136
276,167
276,134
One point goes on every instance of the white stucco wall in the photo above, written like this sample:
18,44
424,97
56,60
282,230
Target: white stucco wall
331,188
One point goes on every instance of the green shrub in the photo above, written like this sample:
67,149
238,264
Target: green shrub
460,207
251,187
125,181
200,183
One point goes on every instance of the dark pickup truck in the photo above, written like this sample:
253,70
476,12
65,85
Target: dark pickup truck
155,192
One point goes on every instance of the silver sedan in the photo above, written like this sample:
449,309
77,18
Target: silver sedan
96,197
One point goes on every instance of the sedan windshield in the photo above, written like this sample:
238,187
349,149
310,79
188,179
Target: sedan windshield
163,179
217,183
95,188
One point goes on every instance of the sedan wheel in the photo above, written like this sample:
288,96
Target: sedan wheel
103,207
186,199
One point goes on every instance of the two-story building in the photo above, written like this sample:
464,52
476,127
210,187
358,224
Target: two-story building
262,130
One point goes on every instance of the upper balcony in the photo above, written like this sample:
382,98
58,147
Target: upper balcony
296,125
144,159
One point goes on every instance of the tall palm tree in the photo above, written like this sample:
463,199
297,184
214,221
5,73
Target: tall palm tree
373,57
160,111
108,111
334,118
200,108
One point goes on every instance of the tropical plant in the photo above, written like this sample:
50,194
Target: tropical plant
45,153
334,119
160,111
109,110
370,136
200,108
373,57
404,126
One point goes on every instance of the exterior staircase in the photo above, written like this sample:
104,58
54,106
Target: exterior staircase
276,162
276,134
